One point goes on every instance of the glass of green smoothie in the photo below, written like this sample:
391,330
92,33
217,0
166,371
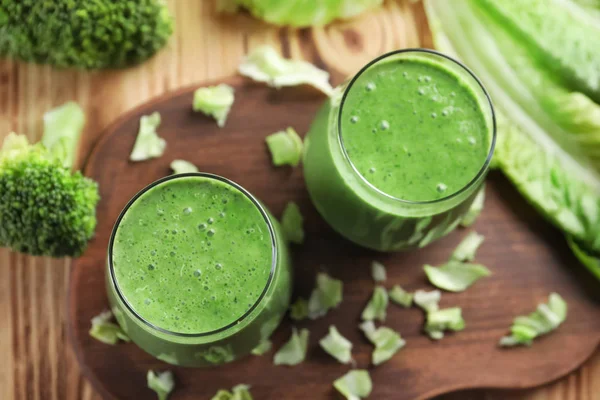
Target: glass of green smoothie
198,272
396,156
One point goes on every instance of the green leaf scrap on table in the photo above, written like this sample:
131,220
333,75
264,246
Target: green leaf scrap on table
377,305
378,272
183,167
455,276
294,351
544,320
285,147
264,64
215,101
105,331
428,301
539,61
400,296
62,130
355,385
162,383
84,34
291,223
337,346
299,309
300,13
327,295
148,144
239,392
45,208
466,249
439,321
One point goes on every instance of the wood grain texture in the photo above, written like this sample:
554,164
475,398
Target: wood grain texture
37,362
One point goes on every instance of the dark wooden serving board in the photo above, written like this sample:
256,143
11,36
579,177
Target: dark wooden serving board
528,257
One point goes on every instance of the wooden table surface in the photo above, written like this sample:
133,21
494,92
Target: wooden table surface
37,360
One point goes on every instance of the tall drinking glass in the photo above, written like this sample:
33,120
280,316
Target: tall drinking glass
395,157
197,271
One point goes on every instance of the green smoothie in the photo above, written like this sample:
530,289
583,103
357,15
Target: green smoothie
196,256
395,157
414,130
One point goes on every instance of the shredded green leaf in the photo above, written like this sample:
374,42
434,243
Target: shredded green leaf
401,296
262,348
428,301
377,305
291,223
465,251
378,272
327,295
439,321
476,207
337,346
299,309
355,385
162,384
264,64
148,144
387,341
105,331
169,358
183,167
239,392
285,147
589,259
215,101
62,130
455,276
544,320
294,351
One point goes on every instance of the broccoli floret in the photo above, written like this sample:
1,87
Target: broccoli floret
83,33
45,209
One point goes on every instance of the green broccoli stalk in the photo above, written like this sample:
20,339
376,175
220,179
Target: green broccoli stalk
83,33
45,209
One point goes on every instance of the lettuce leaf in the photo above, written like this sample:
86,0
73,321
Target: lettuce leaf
377,305
400,296
105,331
428,301
301,13
264,64
147,143
537,147
182,167
285,147
476,208
544,320
466,249
262,348
291,223
293,352
215,101
439,321
299,309
162,383
355,385
337,346
327,295
455,276
387,341
590,260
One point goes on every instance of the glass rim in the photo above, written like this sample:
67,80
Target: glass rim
274,254
435,53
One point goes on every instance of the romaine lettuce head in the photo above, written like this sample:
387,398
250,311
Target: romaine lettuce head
545,98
